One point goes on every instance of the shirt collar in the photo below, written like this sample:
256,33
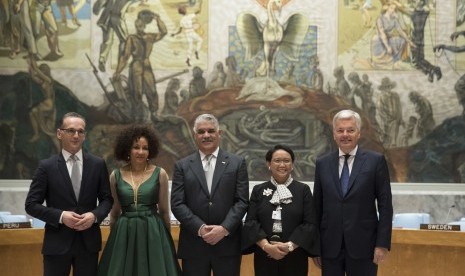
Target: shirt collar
352,152
66,155
215,153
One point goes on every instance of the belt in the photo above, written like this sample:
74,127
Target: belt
133,214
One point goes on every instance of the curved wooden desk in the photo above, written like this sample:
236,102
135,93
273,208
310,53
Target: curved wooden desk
414,252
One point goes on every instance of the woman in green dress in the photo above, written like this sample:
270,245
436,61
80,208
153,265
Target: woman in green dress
140,243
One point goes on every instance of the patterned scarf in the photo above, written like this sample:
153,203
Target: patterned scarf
282,193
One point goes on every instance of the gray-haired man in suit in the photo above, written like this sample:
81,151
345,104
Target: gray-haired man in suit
351,185
209,197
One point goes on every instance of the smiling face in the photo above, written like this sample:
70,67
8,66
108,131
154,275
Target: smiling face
346,134
207,136
69,134
280,165
139,152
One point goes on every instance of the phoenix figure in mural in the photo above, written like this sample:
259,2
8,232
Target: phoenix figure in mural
271,36
263,41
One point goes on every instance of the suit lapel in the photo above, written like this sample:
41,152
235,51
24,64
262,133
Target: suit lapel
86,164
335,172
63,169
359,160
196,166
220,166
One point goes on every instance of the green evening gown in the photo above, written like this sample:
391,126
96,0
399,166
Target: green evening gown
139,243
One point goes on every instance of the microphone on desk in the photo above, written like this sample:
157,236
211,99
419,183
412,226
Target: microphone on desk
448,213
441,227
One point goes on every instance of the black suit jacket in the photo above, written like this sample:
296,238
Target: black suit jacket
51,182
298,219
193,205
353,218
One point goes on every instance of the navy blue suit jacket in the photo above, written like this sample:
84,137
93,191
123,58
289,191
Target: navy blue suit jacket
353,218
193,205
51,183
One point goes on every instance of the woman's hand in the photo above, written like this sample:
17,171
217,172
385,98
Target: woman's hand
276,250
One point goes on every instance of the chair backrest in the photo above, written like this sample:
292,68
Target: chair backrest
13,218
410,220
37,223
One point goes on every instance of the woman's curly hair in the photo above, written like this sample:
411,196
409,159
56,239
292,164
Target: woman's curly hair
132,133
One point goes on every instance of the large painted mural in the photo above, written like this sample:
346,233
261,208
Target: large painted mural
272,71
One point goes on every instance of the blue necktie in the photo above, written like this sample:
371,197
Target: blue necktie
345,176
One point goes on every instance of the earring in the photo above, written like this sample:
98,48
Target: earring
129,157
269,168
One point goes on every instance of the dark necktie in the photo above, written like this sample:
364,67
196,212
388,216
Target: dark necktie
75,175
345,175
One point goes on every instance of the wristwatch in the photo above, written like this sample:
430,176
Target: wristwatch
290,246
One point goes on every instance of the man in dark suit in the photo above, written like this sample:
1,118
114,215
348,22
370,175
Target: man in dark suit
348,195
209,197
70,182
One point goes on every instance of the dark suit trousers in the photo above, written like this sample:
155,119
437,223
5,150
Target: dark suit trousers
294,264
221,266
84,263
343,263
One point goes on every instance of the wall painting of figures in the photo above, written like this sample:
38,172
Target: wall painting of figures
272,71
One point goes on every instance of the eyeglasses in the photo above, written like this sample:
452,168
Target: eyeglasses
279,161
72,131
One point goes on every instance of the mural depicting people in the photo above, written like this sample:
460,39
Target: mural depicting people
72,73
390,111
342,88
232,77
460,84
197,86
419,15
217,77
43,114
389,44
317,76
366,6
190,27
408,134
20,30
141,78
364,91
63,4
424,110
171,98
44,16
112,23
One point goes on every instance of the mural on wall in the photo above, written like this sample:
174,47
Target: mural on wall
272,71
57,32
390,35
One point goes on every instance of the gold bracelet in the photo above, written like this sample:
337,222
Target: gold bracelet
263,247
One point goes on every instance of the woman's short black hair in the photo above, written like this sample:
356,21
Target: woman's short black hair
132,133
270,152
